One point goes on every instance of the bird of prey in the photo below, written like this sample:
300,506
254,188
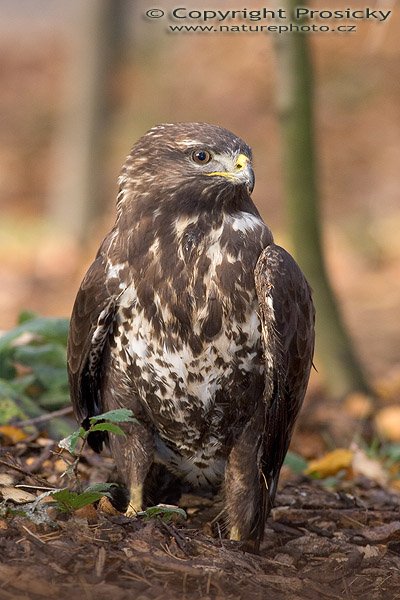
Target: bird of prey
192,316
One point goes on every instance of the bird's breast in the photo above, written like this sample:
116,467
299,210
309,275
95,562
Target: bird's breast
191,335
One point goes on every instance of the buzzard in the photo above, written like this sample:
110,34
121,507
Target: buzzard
192,316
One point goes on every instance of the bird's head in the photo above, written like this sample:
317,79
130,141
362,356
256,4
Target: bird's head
196,159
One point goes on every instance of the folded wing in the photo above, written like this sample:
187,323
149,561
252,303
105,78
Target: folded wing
287,318
92,318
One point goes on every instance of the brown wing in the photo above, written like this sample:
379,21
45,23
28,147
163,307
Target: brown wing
92,317
287,319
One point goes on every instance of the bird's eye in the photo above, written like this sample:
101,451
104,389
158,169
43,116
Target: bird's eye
201,157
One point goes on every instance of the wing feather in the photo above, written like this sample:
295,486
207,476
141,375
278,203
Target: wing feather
92,318
287,318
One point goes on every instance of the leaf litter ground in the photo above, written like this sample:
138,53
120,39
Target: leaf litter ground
318,543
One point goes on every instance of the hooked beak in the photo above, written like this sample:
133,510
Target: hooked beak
245,171
242,172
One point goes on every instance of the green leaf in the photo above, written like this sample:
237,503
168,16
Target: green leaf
51,353
102,488
25,316
119,415
165,512
43,329
48,363
54,399
68,501
333,481
64,499
70,442
9,410
295,462
39,344
107,427
11,394
32,331
22,383
392,451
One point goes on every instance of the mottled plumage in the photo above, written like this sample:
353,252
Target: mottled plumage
192,317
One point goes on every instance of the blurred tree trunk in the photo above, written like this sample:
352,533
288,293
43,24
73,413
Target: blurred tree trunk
342,370
77,197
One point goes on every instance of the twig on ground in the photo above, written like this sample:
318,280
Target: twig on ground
67,410
180,540
24,472
38,463
36,537
36,487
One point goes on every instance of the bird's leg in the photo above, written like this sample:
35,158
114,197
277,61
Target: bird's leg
243,487
133,455
135,500
241,493
234,534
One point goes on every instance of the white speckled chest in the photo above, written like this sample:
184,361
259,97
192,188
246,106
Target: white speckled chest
184,386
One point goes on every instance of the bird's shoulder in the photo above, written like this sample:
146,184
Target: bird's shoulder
92,318
286,310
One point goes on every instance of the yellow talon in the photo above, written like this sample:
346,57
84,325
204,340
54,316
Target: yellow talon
235,534
135,502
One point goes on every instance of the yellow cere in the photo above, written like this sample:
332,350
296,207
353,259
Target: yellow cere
241,161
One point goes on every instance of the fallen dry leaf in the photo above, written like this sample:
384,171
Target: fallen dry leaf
358,405
331,463
16,495
387,423
383,533
106,507
27,580
370,551
44,441
6,479
12,435
59,465
87,512
388,388
369,467
395,485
